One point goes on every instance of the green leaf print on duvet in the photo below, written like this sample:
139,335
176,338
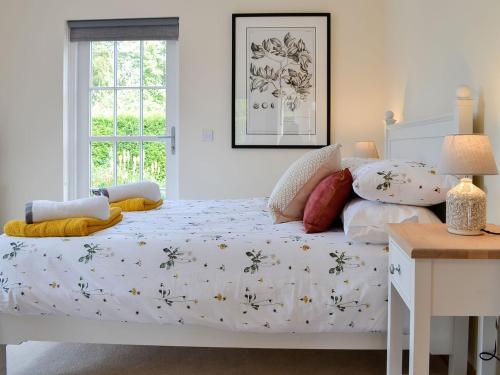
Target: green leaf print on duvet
343,261
256,258
341,305
259,260
176,256
91,251
16,249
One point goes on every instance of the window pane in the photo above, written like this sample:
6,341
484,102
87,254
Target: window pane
155,162
129,63
154,62
102,112
128,112
129,162
154,111
102,64
102,161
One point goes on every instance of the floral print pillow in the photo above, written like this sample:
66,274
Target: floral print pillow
403,182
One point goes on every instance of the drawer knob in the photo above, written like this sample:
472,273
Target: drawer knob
393,268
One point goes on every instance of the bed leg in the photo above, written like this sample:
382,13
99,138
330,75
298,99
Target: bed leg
3,359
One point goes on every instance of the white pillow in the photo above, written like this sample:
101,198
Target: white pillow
365,221
403,182
354,163
289,196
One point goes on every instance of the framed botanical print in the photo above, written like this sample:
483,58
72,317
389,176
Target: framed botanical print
281,80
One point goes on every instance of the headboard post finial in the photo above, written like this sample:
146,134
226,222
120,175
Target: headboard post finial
389,118
464,110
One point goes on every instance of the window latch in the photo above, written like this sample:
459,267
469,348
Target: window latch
172,139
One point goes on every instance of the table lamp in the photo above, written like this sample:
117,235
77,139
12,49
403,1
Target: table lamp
466,155
366,149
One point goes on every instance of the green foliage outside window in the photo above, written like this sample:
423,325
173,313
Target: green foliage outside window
154,152
128,64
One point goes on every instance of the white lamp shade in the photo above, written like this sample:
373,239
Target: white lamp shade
467,155
365,149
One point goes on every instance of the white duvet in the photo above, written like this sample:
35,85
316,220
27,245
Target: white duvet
216,263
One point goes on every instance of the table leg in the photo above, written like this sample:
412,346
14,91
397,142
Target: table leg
420,318
395,332
459,350
487,334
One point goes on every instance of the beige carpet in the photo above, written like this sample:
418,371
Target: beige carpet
43,358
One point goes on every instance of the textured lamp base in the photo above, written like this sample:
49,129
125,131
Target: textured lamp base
465,232
466,209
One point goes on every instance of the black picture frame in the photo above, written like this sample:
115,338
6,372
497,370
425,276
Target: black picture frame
235,16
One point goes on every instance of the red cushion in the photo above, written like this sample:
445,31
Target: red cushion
327,201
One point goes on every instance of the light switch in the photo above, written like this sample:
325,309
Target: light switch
207,135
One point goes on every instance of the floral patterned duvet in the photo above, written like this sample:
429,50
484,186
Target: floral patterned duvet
216,263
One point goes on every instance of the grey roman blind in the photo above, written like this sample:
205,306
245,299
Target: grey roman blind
125,29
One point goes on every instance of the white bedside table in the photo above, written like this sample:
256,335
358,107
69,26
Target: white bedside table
435,273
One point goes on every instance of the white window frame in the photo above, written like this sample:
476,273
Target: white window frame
77,138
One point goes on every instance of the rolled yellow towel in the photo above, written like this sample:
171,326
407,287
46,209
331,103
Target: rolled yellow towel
137,204
71,227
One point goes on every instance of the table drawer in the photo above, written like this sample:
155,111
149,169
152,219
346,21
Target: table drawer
400,268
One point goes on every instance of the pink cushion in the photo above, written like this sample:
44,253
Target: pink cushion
327,200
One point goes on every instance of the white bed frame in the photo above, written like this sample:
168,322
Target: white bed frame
417,140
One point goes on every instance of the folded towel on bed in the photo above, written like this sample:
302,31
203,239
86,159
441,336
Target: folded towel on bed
137,204
71,227
143,189
43,210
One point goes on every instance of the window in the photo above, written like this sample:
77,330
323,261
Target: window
124,108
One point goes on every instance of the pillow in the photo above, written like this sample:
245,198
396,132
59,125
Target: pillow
354,162
290,194
365,221
327,201
403,182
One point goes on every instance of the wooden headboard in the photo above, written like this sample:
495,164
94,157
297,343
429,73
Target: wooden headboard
421,140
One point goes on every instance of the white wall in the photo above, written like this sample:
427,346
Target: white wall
32,40
434,46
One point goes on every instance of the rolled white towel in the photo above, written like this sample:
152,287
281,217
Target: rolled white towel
143,189
43,210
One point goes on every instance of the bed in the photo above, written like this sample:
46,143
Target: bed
220,264
213,273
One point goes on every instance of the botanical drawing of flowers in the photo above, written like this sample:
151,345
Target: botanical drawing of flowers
292,80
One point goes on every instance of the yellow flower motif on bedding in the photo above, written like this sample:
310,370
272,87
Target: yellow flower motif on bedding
54,284
305,247
306,299
141,243
134,292
385,249
219,297
432,171
222,246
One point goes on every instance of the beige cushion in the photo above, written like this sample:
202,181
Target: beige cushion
289,196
